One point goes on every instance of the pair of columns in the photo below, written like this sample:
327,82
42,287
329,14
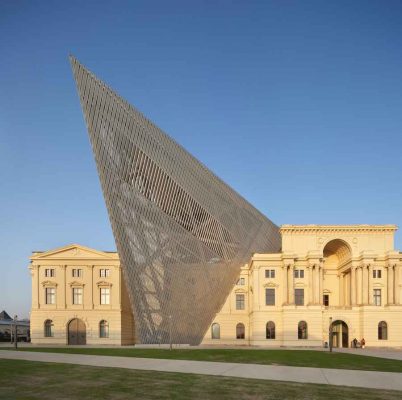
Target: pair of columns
356,285
313,275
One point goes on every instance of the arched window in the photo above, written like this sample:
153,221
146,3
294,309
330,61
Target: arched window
215,331
103,329
382,330
240,331
49,328
302,330
270,330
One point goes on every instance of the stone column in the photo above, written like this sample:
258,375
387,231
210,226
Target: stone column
61,297
321,283
341,290
291,284
353,286
285,285
397,290
370,284
359,285
316,279
390,284
90,269
364,284
310,299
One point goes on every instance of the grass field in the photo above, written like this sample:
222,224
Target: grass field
34,381
299,358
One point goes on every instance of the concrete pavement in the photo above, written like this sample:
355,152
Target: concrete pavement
339,377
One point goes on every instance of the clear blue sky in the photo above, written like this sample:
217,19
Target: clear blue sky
295,104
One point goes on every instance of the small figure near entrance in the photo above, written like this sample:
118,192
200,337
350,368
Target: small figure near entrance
354,343
363,343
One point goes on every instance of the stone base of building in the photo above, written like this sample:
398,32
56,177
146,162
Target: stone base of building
347,324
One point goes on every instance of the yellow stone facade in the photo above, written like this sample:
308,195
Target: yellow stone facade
78,297
348,277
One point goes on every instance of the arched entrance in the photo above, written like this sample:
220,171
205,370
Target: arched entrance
340,334
77,332
338,278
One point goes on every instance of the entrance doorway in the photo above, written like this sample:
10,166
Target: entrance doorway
77,332
340,334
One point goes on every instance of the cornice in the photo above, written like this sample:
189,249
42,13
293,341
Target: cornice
328,229
49,283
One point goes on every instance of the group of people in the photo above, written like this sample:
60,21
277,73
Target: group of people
356,343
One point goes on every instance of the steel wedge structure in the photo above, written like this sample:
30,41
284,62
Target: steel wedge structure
182,234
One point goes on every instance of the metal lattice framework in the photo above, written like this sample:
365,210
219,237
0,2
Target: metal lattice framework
181,233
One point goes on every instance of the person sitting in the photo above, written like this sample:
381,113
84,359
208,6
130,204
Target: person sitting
363,343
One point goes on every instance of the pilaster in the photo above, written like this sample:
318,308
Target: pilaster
285,284
390,284
291,284
353,285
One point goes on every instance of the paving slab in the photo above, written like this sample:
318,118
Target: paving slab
326,376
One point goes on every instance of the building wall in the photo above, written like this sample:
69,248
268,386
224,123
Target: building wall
117,313
337,261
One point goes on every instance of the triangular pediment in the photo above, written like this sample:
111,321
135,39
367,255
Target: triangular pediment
75,251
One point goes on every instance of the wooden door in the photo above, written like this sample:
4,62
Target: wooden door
77,332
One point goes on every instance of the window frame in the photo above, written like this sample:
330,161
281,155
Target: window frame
240,301
77,294
382,333
240,331
104,329
377,300
50,273
302,334
50,293
77,273
270,290
48,328
241,281
270,330
299,290
215,335
104,273
104,293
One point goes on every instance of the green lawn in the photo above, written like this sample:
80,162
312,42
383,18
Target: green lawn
34,380
300,358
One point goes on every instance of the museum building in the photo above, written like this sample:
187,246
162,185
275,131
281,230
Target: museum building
344,277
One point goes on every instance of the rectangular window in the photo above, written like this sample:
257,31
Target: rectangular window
241,282
239,301
376,273
377,297
50,294
326,300
270,273
105,295
270,297
299,297
77,295
299,273
104,273
49,273
77,273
